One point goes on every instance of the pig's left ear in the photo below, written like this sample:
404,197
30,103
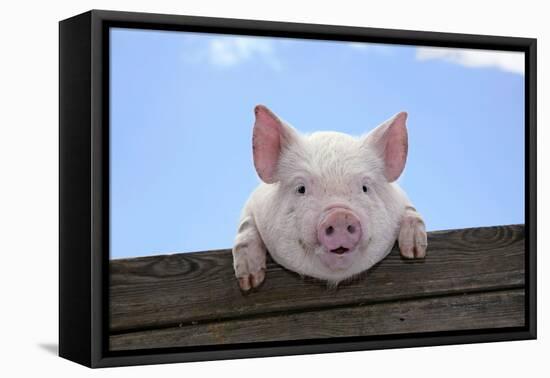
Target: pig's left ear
390,141
270,137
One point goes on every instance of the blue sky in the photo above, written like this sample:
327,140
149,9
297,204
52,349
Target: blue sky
182,116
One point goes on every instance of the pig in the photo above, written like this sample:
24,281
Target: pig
328,206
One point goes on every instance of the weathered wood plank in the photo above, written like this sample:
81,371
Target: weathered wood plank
169,290
456,312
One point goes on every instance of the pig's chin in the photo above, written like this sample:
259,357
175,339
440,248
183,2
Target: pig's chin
338,261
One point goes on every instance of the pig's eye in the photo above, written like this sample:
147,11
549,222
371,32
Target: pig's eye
365,189
301,189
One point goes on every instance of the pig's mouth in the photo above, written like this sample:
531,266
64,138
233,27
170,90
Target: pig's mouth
339,250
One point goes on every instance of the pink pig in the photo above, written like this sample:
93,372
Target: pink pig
329,206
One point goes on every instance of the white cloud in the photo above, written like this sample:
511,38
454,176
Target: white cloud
231,51
381,49
503,60
358,46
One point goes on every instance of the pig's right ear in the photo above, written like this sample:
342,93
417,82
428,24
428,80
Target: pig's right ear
390,141
269,137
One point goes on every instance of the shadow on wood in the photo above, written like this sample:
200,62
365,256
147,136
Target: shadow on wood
471,279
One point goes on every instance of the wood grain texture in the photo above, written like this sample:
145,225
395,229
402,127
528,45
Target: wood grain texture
448,313
188,289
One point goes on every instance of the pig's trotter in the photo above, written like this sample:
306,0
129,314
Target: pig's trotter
412,237
249,255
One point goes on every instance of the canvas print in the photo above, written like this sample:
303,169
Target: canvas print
269,189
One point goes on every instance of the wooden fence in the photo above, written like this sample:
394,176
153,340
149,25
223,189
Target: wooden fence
471,279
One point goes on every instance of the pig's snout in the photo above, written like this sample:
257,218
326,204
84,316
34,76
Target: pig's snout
339,230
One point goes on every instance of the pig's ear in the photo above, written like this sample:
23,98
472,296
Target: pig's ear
269,138
390,141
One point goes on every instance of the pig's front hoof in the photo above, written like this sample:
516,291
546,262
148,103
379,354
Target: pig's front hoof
252,280
412,236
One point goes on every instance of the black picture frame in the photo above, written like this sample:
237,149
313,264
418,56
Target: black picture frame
84,183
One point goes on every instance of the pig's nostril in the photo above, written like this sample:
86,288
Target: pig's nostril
351,229
329,230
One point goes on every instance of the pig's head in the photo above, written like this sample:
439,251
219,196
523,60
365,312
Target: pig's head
336,212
